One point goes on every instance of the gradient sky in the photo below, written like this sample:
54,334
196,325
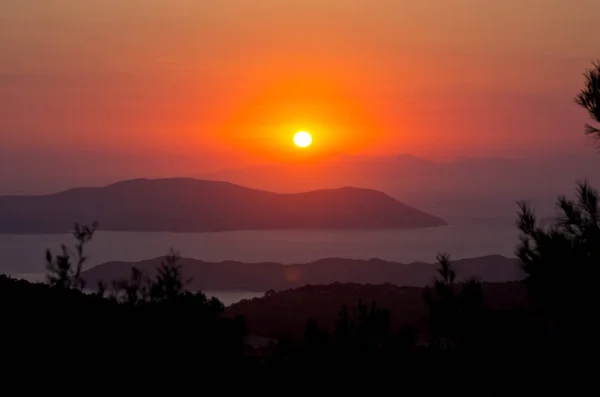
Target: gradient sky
225,83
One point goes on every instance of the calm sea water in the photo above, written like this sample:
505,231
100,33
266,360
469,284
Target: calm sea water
23,255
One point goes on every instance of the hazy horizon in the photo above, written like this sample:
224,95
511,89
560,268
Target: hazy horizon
53,172
473,189
119,89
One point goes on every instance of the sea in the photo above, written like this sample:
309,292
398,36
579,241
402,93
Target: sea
23,256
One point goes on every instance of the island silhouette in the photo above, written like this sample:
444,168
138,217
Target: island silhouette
193,205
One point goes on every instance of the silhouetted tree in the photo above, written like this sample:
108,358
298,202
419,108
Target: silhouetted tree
365,328
470,304
101,289
454,312
169,284
441,300
589,98
134,290
562,261
316,339
64,269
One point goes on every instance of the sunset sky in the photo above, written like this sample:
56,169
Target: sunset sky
226,83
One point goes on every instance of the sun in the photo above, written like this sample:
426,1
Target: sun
302,139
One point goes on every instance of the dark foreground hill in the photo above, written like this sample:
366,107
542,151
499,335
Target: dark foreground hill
285,313
192,205
166,335
230,275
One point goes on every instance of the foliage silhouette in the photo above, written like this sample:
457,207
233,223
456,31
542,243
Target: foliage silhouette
454,311
589,98
361,336
134,290
168,285
153,323
364,326
562,260
62,272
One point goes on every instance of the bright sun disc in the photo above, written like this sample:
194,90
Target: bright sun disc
302,139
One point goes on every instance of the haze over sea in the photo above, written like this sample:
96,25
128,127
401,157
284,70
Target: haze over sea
24,254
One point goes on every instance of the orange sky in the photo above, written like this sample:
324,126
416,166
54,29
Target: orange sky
236,78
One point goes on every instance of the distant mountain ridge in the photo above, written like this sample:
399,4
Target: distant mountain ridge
454,190
405,174
194,205
232,275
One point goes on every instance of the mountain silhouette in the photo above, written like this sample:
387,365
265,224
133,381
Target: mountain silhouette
232,275
193,205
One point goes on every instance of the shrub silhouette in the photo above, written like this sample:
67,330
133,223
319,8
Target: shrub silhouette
62,271
168,285
134,290
152,323
454,310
